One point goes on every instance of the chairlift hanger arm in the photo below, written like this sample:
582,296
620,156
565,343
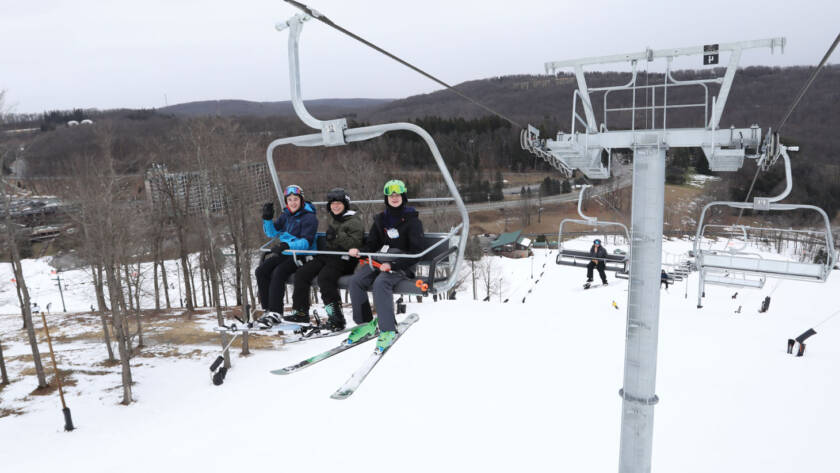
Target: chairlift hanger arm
322,18
336,133
580,202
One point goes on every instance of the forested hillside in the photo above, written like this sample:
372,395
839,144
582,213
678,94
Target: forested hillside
475,145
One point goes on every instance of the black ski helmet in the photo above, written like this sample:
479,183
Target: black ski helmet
338,194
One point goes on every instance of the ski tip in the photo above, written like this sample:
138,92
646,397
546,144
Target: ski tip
281,371
341,395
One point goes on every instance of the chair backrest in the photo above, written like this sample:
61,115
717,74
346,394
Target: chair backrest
430,240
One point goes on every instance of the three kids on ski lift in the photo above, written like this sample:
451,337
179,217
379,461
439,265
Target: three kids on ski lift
397,229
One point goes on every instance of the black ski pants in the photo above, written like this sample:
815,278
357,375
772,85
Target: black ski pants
592,265
328,268
272,275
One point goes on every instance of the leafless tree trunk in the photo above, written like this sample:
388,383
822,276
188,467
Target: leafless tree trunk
119,327
188,291
202,272
20,282
20,302
96,275
475,295
221,277
165,284
121,294
128,287
138,279
100,290
157,283
5,376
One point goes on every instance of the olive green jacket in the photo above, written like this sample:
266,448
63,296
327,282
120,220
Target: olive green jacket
344,232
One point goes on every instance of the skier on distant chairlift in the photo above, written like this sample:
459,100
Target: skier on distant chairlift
295,229
598,254
664,278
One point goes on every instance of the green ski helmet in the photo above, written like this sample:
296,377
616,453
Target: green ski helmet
394,186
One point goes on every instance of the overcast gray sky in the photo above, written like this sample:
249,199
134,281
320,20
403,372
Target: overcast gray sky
95,54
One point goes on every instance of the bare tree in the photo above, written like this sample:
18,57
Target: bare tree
11,234
473,254
490,275
3,375
175,206
109,225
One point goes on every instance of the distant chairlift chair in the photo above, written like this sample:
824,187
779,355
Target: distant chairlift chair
620,263
737,268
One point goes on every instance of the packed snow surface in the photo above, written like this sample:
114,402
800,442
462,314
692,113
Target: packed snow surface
473,386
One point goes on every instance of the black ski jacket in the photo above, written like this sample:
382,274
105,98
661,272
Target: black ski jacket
408,237
601,253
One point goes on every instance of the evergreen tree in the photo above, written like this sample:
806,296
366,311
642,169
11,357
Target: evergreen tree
567,186
498,188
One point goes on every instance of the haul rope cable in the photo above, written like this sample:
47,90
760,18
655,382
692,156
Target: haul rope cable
319,16
790,110
827,319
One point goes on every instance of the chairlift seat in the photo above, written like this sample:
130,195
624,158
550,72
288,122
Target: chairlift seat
423,269
612,262
723,280
787,269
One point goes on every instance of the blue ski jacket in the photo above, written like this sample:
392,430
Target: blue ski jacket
297,230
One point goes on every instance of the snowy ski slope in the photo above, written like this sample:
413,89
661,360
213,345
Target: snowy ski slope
473,386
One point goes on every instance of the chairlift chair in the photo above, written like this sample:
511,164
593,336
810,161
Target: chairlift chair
440,261
615,262
740,269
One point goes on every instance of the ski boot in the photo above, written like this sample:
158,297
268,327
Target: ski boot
335,319
361,331
297,316
268,320
385,340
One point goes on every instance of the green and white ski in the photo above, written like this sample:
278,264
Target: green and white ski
352,384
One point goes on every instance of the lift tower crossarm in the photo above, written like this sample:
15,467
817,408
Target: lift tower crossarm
651,54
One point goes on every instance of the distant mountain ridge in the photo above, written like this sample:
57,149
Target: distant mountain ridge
264,109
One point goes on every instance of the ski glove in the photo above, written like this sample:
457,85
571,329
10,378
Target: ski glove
279,248
330,234
268,211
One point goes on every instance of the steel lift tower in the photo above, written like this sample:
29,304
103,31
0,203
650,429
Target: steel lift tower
584,148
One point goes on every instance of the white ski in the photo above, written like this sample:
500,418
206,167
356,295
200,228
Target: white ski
352,384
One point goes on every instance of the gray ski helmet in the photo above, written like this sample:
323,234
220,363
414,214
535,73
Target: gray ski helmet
340,195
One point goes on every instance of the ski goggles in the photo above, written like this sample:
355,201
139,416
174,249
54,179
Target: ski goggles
395,186
293,190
